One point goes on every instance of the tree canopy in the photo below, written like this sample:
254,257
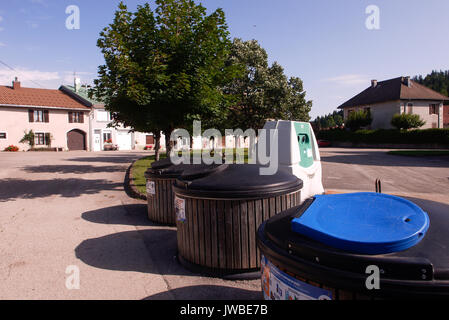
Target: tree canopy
164,68
331,120
262,91
436,80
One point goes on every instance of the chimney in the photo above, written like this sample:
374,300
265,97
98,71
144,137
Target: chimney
16,84
373,83
407,81
77,84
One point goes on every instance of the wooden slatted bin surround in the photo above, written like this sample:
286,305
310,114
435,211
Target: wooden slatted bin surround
160,198
218,212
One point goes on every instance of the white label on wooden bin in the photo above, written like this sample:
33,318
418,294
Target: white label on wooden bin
180,207
151,189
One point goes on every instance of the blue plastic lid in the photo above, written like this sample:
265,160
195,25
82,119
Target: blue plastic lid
367,223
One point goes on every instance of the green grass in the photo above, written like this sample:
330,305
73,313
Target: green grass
142,165
138,170
420,153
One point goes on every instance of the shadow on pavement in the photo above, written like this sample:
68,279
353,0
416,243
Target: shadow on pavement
127,159
125,251
11,189
131,214
381,158
207,292
77,169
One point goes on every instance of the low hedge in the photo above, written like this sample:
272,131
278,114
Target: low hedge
382,136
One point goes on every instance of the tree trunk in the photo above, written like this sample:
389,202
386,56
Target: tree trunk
157,145
168,143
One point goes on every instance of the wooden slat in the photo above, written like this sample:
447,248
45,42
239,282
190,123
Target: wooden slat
221,235
214,233
272,207
208,233
201,239
259,218
265,209
236,230
244,233
190,226
230,244
196,253
252,234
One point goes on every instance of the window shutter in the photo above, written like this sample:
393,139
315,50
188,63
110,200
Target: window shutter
70,117
81,117
31,115
46,118
47,139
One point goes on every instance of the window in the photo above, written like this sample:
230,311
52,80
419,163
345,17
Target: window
41,139
3,135
38,115
76,117
107,137
149,139
103,115
434,109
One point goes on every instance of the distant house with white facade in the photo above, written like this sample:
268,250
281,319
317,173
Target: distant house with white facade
397,96
57,119
101,134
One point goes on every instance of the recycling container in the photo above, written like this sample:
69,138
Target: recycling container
159,181
356,246
218,211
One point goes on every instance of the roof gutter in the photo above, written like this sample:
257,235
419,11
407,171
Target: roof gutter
42,107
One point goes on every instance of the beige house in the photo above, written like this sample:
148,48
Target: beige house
397,96
57,119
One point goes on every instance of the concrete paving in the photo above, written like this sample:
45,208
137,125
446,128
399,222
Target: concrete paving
70,209
350,170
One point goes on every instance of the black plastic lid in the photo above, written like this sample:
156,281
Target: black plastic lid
235,181
165,169
161,164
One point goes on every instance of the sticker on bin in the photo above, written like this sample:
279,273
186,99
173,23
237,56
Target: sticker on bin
180,209
151,189
277,285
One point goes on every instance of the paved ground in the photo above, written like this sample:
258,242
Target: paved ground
62,209
357,170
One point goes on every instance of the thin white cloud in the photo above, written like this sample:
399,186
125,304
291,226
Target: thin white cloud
26,76
2,44
1,18
349,79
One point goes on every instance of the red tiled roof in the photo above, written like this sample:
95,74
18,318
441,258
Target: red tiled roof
38,97
393,89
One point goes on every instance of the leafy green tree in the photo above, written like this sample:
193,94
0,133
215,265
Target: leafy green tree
407,121
165,68
358,119
263,91
436,80
334,119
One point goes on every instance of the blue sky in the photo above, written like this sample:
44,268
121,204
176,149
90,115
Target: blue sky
324,42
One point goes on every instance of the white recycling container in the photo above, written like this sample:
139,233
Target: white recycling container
298,153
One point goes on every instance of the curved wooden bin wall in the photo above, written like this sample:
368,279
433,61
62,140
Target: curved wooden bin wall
161,204
219,236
